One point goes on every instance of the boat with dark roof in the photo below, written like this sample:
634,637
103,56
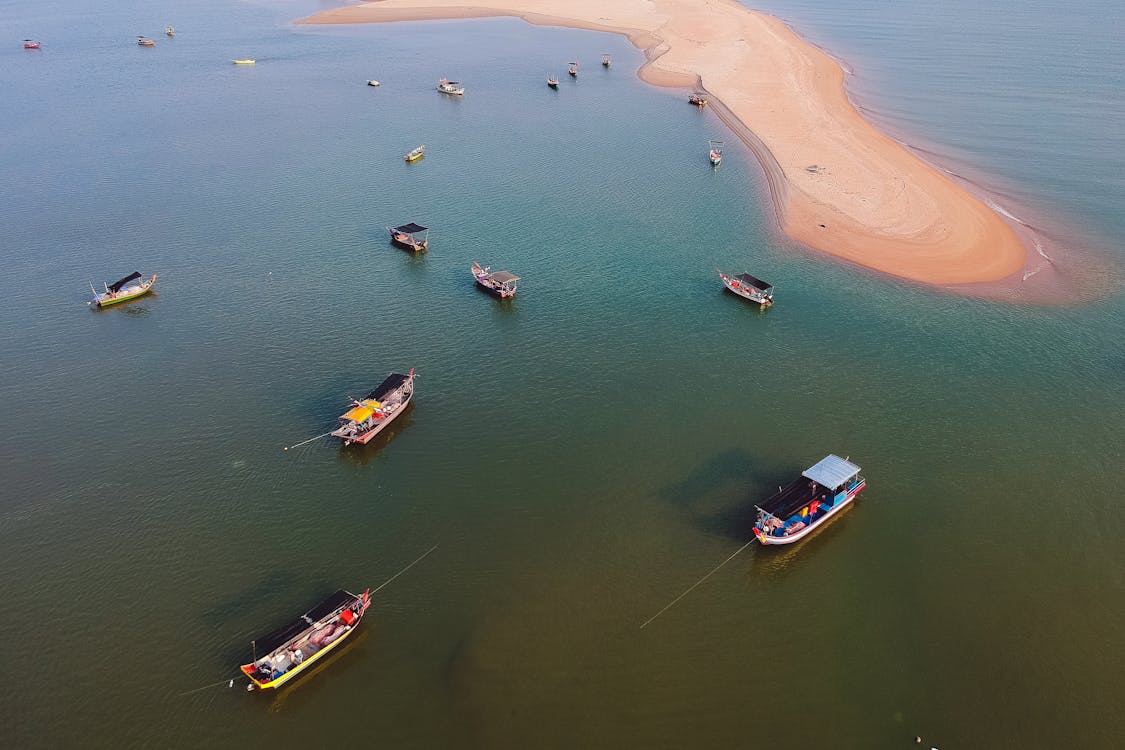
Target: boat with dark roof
809,502
288,651
499,283
122,290
406,237
749,287
371,415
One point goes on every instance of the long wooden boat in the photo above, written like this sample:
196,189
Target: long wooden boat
285,653
406,237
716,154
370,415
123,290
749,287
573,70
447,86
698,98
31,44
144,41
416,153
553,81
809,502
499,283
246,61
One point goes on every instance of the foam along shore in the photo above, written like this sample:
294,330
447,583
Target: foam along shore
839,184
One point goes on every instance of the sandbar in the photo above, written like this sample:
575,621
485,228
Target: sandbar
839,185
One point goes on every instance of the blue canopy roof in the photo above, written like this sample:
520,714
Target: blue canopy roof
831,471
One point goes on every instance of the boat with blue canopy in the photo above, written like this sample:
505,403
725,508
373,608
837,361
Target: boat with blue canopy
809,502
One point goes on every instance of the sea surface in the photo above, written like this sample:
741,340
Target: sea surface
582,454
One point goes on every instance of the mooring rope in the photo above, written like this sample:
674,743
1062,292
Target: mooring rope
229,680
408,567
318,437
701,580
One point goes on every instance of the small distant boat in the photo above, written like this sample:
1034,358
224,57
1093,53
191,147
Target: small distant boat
368,417
553,82
698,98
288,651
573,70
416,154
169,31
406,237
816,496
122,290
144,41
607,60
749,287
373,82
499,283
716,154
31,44
446,86
244,62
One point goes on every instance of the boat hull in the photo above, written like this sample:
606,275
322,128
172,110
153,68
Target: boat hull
407,245
499,293
771,541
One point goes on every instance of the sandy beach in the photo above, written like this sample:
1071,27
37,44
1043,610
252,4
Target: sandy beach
839,184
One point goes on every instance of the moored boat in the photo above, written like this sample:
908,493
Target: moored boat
32,44
716,154
123,290
698,98
553,81
370,415
822,491
144,41
245,61
499,283
607,60
286,652
416,153
169,31
373,82
406,237
749,287
573,70
447,86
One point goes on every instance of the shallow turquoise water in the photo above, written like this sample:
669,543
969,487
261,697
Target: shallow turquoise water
581,455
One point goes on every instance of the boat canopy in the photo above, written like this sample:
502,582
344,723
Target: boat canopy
503,277
393,381
748,280
411,228
831,472
270,642
116,286
362,412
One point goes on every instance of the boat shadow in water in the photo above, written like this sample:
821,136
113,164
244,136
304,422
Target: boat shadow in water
359,454
293,695
229,609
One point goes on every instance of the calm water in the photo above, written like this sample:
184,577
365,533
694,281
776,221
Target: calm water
581,455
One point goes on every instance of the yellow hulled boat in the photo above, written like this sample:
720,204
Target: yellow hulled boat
244,62
123,290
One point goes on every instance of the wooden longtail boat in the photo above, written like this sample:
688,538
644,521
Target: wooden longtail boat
716,154
499,283
369,416
446,86
286,652
122,291
144,41
406,237
246,61
373,82
553,82
698,98
416,153
749,287
809,502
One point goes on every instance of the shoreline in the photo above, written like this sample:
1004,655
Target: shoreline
838,184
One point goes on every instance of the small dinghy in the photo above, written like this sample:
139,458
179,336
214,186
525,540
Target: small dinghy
553,82
144,41
247,61
416,153
454,88
31,44
373,82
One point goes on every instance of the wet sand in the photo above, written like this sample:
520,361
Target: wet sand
839,184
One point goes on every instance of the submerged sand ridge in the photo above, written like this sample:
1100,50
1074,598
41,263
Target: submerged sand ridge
840,185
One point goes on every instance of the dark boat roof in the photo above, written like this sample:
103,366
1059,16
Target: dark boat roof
393,381
411,228
503,277
116,286
753,281
270,642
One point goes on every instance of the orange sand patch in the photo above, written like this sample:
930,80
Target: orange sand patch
839,184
